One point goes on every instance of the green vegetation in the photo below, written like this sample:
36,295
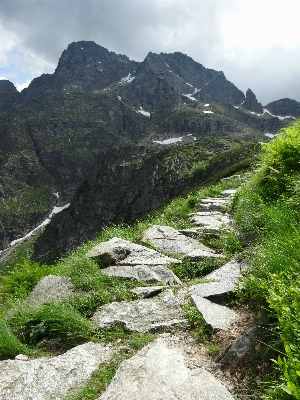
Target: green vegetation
267,217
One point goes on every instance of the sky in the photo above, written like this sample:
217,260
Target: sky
256,43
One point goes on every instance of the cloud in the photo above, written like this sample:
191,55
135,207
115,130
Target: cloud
253,41
21,86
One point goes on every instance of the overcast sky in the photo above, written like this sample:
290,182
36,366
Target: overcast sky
256,43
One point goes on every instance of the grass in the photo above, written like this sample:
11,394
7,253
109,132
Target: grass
267,216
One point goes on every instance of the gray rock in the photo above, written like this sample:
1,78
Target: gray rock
158,372
168,239
155,273
51,377
230,271
147,291
215,220
240,347
51,287
216,316
212,204
159,313
201,255
228,192
193,233
212,290
226,278
122,252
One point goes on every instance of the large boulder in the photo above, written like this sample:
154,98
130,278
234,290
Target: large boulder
51,287
51,378
159,372
159,313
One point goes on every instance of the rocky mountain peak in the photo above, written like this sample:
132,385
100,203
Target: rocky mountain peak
8,95
251,103
284,107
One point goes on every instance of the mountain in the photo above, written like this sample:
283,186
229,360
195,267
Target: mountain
54,132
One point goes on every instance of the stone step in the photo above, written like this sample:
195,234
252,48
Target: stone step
142,273
159,313
211,221
117,251
217,317
160,372
212,204
225,280
169,240
147,291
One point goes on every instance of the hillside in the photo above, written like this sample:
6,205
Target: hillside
261,251
54,131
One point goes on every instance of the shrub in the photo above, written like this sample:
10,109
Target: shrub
52,322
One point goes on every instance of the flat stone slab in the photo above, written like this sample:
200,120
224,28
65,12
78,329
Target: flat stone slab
158,372
211,221
169,240
159,313
51,377
212,290
51,287
123,252
228,192
201,255
216,316
225,277
230,271
147,291
151,273
212,204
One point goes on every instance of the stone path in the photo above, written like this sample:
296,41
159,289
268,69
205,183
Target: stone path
160,370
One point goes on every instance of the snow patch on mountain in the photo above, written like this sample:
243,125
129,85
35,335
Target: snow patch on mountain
54,211
127,78
141,111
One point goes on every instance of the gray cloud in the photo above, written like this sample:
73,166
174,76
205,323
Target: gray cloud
231,36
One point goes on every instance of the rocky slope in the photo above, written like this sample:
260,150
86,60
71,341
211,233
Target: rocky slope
95,100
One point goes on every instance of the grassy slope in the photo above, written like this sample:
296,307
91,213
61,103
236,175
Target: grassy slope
267,215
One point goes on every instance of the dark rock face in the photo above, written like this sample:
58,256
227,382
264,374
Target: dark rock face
25,185
84,66
184,76
284,107
251,103
8,95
